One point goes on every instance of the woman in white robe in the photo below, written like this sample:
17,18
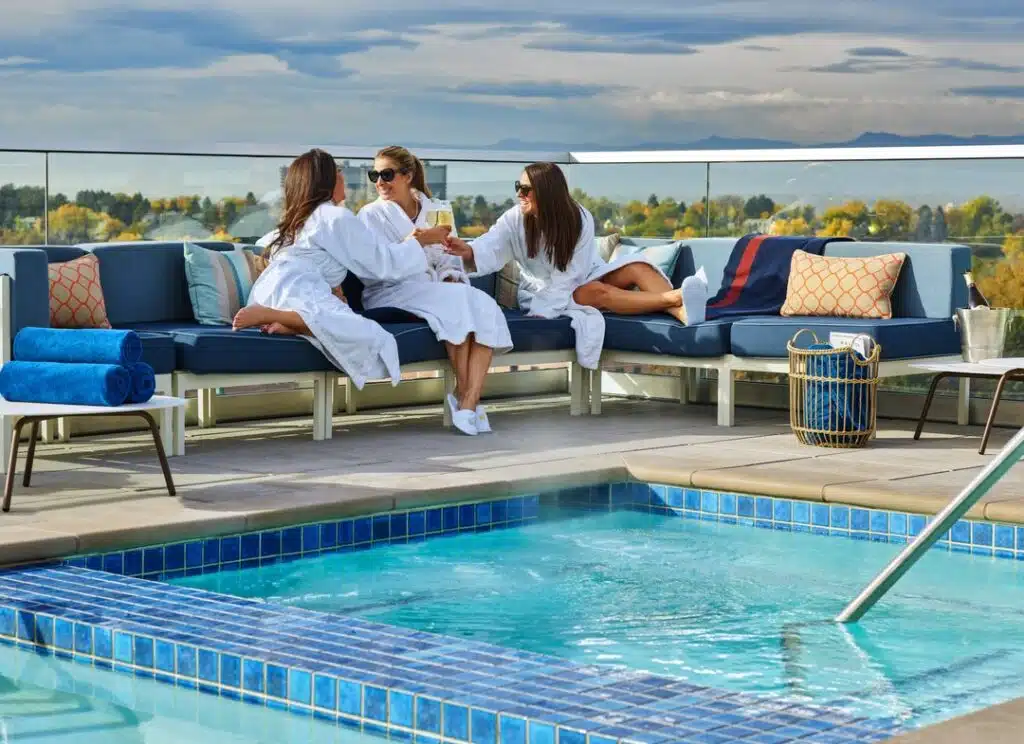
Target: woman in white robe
551,237
468,320
317,243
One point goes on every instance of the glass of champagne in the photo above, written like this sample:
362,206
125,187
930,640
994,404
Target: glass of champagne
445,214
433,215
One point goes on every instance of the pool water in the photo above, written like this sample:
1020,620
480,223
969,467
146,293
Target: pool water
45,700
721,605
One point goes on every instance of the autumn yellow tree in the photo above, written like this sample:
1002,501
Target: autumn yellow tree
1003,285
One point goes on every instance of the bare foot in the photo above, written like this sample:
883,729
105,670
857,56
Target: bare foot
678,313
279,329
251,316
675,296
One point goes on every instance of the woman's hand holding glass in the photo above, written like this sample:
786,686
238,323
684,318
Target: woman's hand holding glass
458,247
431,235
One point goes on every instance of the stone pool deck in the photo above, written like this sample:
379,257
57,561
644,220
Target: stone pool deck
106,492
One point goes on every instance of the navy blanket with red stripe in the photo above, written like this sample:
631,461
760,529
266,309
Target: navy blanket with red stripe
758,272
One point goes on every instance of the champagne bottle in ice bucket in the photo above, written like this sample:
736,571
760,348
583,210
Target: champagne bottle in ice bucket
982,328
974,296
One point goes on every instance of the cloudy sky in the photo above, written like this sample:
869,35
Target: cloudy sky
452,72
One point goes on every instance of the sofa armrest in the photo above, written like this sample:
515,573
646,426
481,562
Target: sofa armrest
29,287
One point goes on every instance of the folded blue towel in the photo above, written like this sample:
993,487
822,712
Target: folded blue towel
143,383
68,384
77,345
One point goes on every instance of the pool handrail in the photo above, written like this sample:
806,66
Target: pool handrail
943,521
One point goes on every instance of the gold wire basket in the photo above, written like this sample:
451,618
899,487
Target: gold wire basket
832,393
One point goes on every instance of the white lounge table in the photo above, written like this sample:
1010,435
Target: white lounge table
1003,369
35,413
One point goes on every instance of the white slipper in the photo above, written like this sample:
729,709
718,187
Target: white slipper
483,425
465,421
695,297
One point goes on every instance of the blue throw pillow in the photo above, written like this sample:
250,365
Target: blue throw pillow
663,255
219,282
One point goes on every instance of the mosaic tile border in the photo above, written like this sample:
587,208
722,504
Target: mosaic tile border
267,547
379,678
260,548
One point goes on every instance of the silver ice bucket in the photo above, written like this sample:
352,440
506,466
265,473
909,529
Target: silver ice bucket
982,332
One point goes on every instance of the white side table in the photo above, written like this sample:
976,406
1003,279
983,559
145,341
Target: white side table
35,413
1005,369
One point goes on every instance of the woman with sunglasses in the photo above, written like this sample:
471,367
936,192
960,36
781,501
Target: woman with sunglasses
468,321
316,244
551,237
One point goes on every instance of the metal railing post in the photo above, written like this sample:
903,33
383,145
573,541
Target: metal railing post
982,484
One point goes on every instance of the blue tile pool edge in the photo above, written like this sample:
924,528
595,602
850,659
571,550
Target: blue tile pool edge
264,547
543,701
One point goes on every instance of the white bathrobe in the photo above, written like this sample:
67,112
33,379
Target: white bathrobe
453,310
545,291
300,277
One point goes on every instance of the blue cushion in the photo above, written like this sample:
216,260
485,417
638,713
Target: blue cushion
901,338
219,282
663,255
416,342
539,334
30,287
931,283
662,334
145,282
158,351
217,349
54,253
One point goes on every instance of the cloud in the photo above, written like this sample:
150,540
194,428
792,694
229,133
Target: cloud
877,52
553,90
1010,92
611,45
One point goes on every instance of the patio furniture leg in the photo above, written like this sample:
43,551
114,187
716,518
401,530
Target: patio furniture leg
963,402
726,397
928,402
205,402
995,406
30,458
350,397
595,392
159,444
448,380
576,389
12,464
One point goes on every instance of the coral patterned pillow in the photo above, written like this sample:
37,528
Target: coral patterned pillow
76,296
842,287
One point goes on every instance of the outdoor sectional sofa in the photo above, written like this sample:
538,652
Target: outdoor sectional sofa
145,288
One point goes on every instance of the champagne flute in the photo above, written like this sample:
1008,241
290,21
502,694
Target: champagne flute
433,217
445,214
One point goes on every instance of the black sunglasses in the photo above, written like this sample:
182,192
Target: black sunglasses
523,189
388,174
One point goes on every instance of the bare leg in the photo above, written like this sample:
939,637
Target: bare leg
479,363
259,315
458,355
647,281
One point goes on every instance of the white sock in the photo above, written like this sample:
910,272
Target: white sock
695,297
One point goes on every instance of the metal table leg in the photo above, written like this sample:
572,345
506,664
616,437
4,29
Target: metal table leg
928,400
997,397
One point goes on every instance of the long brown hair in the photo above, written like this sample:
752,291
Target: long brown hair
310,182
406,161
558,221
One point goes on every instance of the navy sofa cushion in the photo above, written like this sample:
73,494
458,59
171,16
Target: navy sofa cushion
145,282
539,334
416,342
901,338
215,349
158,351
662,334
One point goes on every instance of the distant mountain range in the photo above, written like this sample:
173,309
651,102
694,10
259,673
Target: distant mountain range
867,139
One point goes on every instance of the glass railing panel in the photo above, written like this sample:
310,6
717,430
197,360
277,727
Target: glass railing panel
22,198
650,200
98,198
977,203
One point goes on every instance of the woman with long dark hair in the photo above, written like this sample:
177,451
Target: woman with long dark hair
551,237
467,320
316,244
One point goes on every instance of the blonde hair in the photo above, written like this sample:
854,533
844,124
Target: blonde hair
406,161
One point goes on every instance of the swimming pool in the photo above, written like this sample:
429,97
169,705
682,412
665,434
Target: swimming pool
386,677
726,606
46,700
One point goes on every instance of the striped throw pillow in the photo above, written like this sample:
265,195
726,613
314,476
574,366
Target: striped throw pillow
219,282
